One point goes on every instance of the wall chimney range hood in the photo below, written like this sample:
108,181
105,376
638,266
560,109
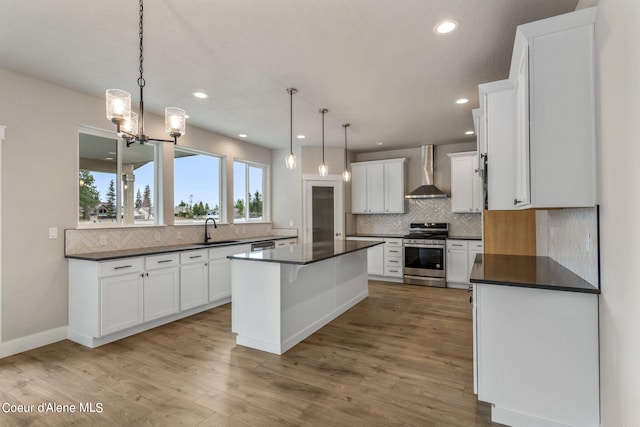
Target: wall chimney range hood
427,190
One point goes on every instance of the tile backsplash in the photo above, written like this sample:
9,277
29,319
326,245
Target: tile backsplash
422,210
79,241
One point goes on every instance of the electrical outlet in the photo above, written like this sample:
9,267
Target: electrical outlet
102,241
588,242
290,223
53,232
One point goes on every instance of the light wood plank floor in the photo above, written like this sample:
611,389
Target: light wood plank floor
402,356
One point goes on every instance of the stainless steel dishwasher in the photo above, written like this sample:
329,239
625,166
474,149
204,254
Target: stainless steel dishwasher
261,246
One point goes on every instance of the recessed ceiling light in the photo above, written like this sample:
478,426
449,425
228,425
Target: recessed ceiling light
243,135
445,27
108,158
379,143
469,132
301,137
200,95
462,101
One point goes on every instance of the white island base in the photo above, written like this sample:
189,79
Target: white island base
277,305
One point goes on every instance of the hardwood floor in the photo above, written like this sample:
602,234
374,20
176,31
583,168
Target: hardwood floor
401,356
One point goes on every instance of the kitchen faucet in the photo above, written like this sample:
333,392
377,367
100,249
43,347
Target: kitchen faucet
207,237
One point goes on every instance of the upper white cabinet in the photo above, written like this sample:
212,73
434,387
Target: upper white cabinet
497,131
552,71
378,186
466,183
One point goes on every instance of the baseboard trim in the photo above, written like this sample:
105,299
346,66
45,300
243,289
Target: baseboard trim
19,345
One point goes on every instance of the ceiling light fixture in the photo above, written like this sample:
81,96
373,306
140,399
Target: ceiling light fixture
469,132
129,126
446,26
323,170
301,137
243,135
346,175
200,95
462,101
290,160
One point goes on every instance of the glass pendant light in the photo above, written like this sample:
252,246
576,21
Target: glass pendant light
290,160
346,175
323,170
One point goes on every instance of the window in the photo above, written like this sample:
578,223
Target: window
117,185
197,185
249,192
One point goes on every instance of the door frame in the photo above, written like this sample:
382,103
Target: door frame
334,181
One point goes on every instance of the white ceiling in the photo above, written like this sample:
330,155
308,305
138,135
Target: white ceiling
376,64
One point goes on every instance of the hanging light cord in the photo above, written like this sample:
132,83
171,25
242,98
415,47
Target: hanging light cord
323,111
141,81
346,125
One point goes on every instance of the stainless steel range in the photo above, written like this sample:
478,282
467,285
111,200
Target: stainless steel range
424,254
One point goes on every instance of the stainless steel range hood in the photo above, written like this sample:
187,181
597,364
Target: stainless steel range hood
427,190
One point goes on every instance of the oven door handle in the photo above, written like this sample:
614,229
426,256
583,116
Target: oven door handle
412,245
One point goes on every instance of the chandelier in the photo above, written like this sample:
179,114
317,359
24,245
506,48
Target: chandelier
129,125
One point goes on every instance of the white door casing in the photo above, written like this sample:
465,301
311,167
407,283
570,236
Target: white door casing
334,181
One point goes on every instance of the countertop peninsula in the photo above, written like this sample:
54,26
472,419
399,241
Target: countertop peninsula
307,253
528,272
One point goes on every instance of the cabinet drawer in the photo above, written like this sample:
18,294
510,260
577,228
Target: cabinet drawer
476,245
121,266
220,253
162,261
189,257
393,251
393,270
393,261
397,243
457,244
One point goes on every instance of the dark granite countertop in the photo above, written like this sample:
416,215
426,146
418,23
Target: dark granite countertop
464,237
126,253
380,235
306,253
527,272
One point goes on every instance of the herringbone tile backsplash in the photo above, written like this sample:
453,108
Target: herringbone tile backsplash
81,241
422,210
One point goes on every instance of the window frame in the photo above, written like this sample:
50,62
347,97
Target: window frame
221,183
266,197
157,193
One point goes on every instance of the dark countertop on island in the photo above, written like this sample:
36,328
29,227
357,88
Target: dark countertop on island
154,250
306,253
527,272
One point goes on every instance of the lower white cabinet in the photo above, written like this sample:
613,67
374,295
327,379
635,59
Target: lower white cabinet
121,303
384,261
161,286
194,279
460,257
283,242
220,271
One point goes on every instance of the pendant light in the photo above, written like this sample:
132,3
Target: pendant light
346,175
290,160
323,170
129,125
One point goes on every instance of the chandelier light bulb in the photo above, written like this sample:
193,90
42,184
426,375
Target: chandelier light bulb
346,176
323,170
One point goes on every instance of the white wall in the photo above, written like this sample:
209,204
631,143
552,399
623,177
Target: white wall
618,71
39,190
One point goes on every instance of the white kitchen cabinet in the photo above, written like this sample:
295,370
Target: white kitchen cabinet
537,355
285,242
220,271
460,257
552,70
378,186
161,286
457,259
497,102
393,258
121,304
466,183
375,260
474,247
194,279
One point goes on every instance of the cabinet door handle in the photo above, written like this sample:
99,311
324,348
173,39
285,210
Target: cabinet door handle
395,252
516,201
195,256
164,261
394,260
122,266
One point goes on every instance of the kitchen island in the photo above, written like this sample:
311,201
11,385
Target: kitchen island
535,341
281,296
